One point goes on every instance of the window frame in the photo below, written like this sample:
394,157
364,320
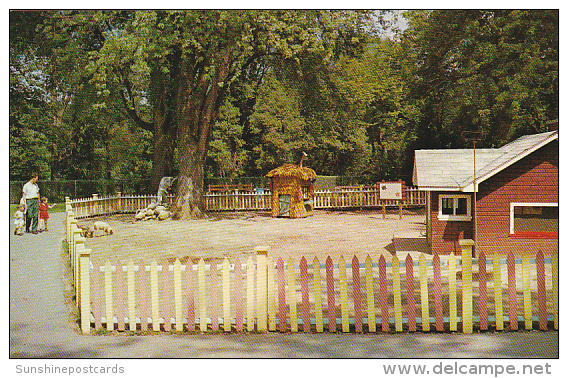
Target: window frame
529,234
453,217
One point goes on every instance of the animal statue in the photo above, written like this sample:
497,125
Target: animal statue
165,186
103,226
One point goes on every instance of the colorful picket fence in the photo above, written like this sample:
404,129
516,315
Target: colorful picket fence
263,296
428,293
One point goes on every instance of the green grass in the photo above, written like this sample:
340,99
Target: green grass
58,208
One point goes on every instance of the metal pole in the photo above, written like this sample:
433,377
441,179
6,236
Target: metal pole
474,198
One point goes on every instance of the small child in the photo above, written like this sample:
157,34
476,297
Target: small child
19,220
43,212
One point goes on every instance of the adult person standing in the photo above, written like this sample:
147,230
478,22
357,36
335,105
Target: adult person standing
30,194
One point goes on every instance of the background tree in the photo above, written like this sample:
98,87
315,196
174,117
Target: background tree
494,71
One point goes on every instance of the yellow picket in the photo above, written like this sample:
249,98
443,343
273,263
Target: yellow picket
250,294
555,287
155,298
226,296
498,292
370,294
467,290
343,293
85,280
271,296
178,301
317,295
202,295
424,294
527,295
108,297
396,293
453,292
131,296
292,295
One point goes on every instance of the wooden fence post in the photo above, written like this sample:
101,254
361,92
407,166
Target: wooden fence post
467,306
85,297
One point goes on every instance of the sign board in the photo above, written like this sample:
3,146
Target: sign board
390,190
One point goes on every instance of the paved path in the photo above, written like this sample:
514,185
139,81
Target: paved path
40,325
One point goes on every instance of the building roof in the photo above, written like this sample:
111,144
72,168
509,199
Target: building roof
291,170
452,170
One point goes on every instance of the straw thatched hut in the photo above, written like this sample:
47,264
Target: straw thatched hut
292,191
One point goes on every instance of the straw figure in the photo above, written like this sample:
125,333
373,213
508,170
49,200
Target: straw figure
292,190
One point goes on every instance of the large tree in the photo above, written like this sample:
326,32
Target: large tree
183,63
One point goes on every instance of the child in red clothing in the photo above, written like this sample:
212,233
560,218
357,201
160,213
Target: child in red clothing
43,212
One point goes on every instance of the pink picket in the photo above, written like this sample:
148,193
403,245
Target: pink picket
410,294
541,285
305,294
357,295
330,294
438,293
482,264
190,297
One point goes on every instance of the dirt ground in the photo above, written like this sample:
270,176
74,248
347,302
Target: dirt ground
236,234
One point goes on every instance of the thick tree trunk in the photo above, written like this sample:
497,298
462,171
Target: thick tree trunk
199,100
163,157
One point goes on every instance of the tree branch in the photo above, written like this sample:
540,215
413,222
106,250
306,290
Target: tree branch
131,111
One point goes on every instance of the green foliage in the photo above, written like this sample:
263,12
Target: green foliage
495,71
94,93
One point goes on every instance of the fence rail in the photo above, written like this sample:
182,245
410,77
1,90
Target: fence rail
238,200
441,293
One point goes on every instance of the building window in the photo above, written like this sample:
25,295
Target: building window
534,220
454,207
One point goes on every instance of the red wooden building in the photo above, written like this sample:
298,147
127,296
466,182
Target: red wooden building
513,206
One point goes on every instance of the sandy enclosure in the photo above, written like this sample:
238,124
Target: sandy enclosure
236,234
